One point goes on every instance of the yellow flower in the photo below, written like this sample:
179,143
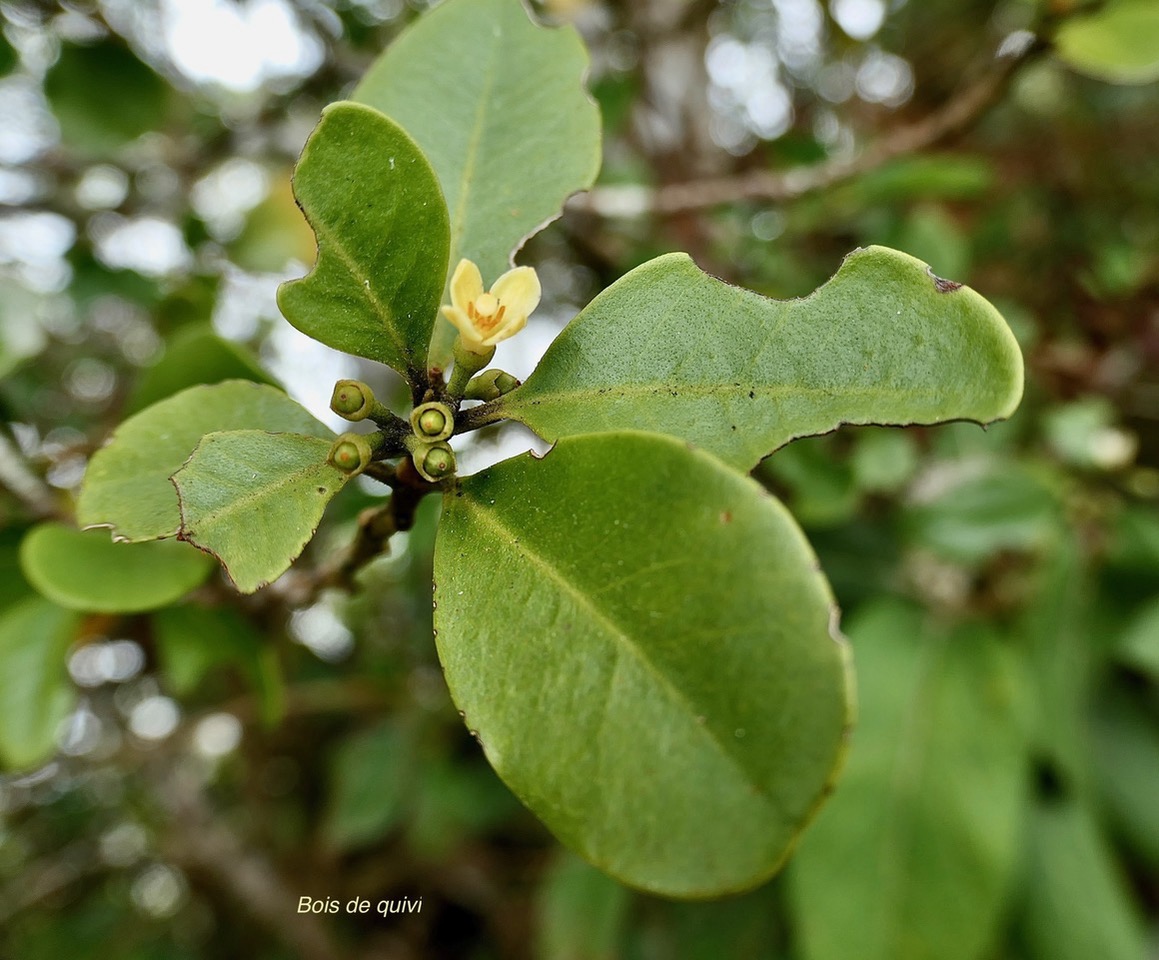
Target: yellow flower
485,318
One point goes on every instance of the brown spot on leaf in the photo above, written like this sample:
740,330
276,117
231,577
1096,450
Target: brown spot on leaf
942,285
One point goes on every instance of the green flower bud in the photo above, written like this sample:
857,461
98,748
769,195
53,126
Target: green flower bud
432,421
490,385
352,400
352,452
434,461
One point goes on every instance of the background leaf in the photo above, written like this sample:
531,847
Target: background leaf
85,570
194,641
498,106
621,642
254,499
1119,42
1077,905
193,356
103,96
127,484
35,692
913,856
374,203
671,349
584,912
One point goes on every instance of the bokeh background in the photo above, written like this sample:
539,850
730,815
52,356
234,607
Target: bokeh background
231,755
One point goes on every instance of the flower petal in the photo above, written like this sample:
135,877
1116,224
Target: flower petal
507,329
518,290
466,284
462,322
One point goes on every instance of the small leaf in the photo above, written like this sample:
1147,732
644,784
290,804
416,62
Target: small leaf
1138,648
372,774
1078,905
670,349
254,500
85,570
192,641
127,484
1118,42
497,103
583,913
913,856
381,222
1126,774
192,356
641,640
35,692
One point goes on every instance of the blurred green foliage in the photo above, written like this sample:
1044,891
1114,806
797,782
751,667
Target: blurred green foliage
225,757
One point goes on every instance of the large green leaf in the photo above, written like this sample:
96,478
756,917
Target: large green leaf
671,349
1118,42
127,484
254,499
497,104
377,211
85,570
913,856
642,641
1078,905
35,692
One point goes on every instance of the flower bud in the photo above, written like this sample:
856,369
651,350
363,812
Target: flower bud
434,461
352,400
490,385
352,452
433,421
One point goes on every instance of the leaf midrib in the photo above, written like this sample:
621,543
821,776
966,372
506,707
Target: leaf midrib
626,643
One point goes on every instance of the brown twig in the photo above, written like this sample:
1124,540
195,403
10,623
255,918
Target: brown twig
204,846
964,109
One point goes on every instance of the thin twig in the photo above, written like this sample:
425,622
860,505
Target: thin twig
15,474
959,113
203,845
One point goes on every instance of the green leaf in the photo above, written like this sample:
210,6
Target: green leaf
8,57
192,356
582,913
372,773
497,103
1003,507
670,349
643,645
1119,42
375,206
1126,760
1139,645
913,856
85,570
35,692
1078,906
192,641
103,96
254,499
127,484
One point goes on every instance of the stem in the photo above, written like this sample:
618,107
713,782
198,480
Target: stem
955,116
480,416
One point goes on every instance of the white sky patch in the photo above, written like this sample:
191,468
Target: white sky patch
27,127
860,19
148,245
238,45
885,78
224,196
